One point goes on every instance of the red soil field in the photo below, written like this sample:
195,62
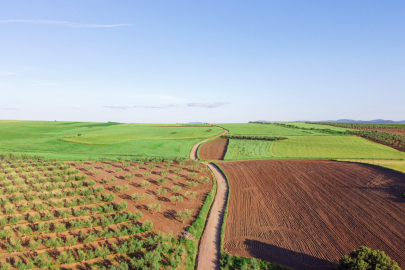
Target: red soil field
214,150
398,131
166,220
307,214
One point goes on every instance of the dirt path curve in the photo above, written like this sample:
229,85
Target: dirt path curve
193,152
209,253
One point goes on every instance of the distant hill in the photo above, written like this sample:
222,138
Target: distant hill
195,123
376,121
262,121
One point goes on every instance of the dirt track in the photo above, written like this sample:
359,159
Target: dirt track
209,254
307,214
214,150
193,152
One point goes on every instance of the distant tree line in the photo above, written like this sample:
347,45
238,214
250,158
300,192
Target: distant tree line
253,137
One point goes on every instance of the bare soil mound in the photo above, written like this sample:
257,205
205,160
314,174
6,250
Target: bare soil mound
214,150
307,214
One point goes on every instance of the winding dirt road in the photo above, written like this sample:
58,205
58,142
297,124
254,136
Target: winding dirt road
193,152
209,253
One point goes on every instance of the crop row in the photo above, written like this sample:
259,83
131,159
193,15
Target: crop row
23,199
253,137
394,140
38,231
63,213
149,253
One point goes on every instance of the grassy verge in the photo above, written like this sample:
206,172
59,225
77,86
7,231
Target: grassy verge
197,228
231,262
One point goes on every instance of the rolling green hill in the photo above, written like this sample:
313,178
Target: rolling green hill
79,140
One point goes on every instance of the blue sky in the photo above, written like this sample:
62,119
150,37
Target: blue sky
209,61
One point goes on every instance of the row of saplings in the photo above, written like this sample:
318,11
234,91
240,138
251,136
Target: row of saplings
362,258
153,252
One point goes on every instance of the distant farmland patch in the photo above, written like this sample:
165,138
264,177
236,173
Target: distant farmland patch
333,147
307,214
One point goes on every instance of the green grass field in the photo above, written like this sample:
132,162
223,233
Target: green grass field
315,147
61,140
266,129
248,149
333,147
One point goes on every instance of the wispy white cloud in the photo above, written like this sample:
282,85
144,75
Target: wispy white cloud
67,24
9,109
208,105
143,106
7,73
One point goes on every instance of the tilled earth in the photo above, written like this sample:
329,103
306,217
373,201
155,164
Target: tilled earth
307,214
214,150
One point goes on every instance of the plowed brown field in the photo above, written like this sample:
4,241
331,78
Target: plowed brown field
399,131
214,150
307,214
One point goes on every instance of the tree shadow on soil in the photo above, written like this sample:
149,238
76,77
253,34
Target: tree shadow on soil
170,214
392,187
285,257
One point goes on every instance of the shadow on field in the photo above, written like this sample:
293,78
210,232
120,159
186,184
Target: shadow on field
285,257
388,183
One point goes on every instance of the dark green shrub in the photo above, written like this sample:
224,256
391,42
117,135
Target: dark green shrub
366,259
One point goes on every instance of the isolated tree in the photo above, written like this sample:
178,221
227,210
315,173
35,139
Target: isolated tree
161,191
34,245
175,188
190,194
146,174
176,199
364,258
118,188
191,184
145,184
43,260
137,197
155,207
185,214
205,179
